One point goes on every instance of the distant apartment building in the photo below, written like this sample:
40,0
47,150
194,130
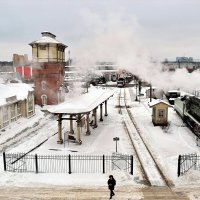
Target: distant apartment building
181,62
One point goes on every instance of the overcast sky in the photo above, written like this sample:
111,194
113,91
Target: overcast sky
164,29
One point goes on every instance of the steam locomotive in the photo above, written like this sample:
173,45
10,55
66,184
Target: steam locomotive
188,107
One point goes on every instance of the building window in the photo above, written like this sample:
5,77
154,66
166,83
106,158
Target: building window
12,112
43,83
5,116
43,47
19,109
161,113
44,100
154,111
30,103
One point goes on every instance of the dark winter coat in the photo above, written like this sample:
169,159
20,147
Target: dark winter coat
111,184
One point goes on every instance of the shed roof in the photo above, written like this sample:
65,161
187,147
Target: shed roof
82,104
158,101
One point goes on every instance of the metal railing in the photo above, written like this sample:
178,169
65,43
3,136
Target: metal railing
187,162
21,162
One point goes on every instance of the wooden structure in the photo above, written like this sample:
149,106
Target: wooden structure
79,108
159,112
48,56
17,100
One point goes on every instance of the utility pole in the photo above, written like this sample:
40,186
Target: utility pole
150,92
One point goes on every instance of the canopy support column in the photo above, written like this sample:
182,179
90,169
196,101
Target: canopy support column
60,140
106,114
101,110
95,117
88,124
78,138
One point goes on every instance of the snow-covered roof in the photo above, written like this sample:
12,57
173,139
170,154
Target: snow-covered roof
46,39
157,101
20,90
171,91
83,104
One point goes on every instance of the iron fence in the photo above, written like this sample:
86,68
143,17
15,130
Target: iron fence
187,162
23,162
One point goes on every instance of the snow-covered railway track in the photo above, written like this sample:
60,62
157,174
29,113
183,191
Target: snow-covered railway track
24,135
149,166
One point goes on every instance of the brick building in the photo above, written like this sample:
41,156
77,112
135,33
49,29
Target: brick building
23,66
48,62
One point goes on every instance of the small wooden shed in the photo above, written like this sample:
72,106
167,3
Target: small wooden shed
159,112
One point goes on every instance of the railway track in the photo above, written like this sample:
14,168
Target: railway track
152,171
26,134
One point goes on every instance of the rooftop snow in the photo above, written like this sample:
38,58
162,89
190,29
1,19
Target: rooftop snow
84,103
45,39
157,101
20,90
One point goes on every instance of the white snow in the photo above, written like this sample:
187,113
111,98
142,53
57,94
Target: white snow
86,103
166,145
20,90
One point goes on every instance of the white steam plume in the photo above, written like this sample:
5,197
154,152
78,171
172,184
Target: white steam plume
116,38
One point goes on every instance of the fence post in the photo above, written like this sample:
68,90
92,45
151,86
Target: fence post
179,165
70,164
36,163
4,160
103,164
131,164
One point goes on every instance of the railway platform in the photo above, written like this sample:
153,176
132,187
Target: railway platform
97,193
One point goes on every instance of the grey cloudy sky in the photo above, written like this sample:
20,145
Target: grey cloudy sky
164,29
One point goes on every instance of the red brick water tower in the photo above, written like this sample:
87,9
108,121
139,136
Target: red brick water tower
48,57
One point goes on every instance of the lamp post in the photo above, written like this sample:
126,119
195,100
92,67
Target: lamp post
136,98
116,139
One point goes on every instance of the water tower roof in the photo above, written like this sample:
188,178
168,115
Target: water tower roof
49,34
47,38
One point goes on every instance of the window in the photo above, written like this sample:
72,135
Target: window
154,111
161,113
42,47
43,83
19,109
30,103
5,116
44,100
12,111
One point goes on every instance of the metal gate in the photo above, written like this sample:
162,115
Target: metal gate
122,162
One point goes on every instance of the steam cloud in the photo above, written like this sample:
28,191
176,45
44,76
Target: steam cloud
116,38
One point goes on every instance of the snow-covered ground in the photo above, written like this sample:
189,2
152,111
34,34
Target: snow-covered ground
166,145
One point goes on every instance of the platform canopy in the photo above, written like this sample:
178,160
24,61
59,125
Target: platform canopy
82,104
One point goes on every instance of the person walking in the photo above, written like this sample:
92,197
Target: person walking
111,185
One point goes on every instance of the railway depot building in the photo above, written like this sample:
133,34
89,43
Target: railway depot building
16,101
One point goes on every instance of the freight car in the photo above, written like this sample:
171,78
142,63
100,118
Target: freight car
188,107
